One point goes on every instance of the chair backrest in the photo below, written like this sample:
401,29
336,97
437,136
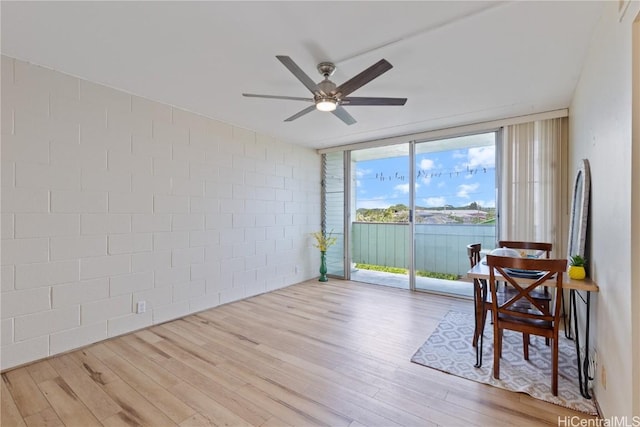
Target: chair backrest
523,305
532,246
473,252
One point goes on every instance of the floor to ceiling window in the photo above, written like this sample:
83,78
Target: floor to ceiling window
412,208
407,211
380,225
455,205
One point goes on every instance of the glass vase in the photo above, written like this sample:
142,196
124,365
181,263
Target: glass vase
323,267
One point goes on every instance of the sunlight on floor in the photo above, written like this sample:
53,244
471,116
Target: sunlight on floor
440,286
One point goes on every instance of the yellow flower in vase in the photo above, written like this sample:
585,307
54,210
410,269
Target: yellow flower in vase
324,241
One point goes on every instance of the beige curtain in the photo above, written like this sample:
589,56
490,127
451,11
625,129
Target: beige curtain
534,201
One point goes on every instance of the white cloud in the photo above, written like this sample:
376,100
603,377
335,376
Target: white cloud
458,154
442,184
404,188
426,164
478,158
465,189
376,203
362,172
486,203
482,157
435,201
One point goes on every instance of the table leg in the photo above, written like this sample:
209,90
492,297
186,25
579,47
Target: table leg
583,365
480,321
476,313
565,321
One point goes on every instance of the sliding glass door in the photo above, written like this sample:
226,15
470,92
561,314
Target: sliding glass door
381,242
407,211
455,205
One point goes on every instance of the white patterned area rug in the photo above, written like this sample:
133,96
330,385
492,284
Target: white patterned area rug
449,350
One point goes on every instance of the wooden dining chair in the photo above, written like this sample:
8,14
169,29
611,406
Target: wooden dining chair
541,248
481,298
522,312
527,246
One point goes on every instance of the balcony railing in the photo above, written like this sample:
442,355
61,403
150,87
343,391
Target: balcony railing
439,248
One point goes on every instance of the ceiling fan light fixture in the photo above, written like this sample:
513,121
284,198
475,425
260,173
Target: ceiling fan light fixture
326,104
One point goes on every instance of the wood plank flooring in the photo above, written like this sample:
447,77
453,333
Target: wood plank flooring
312,354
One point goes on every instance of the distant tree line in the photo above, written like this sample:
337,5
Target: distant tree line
395,213
399,213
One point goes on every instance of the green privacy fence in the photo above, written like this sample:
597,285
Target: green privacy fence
439,247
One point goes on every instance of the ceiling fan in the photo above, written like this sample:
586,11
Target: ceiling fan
327,96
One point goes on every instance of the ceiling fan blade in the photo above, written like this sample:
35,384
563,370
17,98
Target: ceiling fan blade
291,98
297,71
342,114
301,113
364,77
359,100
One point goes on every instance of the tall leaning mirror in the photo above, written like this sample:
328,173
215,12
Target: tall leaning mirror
579,211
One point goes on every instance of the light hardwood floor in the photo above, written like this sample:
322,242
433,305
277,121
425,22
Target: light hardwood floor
333,354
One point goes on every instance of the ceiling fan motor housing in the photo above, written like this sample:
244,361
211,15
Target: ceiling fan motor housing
327,87
326,69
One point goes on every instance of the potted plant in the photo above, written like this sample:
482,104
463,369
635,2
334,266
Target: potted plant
323,242
576,268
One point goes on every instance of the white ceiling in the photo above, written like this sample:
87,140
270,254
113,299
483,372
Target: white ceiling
456,62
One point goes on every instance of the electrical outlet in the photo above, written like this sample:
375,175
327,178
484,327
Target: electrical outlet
141,307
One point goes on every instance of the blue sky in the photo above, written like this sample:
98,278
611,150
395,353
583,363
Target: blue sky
453,177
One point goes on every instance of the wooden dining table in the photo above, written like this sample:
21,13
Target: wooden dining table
575,287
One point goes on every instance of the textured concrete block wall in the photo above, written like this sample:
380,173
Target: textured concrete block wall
108,199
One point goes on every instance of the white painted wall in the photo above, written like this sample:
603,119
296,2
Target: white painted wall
600,130
108,198
635,214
